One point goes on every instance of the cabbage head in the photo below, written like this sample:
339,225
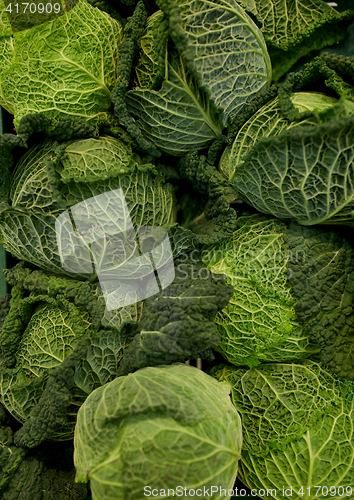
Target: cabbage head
63,67
160,427
260,321
53,331
297,422
293,294
40,337
298,169
53,177
200,64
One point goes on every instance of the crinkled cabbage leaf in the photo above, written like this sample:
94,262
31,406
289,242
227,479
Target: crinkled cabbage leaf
51,178
293,28
259,323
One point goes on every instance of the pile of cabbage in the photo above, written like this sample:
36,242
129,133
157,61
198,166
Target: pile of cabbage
171,195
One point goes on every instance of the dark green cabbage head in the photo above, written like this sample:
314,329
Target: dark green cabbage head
196,72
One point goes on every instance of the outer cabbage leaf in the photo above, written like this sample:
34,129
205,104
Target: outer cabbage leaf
88,297
4,307
259,323
176,118
269,121
305,174
92,363
178,323
50,336
53,356
292,29
162,426
147,69
298,430
62,67
324,288
90,159
46,473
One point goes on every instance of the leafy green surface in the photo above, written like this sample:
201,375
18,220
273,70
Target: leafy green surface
176,426
324,288
303,174
46,473
218,220
226,51
50,336
53,356
286,23
177,118
259,323
269,121
64,67
50,178
297,422
147,69
178,323
221,63
292,29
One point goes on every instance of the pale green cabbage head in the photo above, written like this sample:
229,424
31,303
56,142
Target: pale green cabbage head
259,323
165,427
63,67
297,421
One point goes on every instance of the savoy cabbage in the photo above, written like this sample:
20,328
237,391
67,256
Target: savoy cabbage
199,65
270,121
53,176
64,67
195,128
292,151
58,344
293,28
297,423
293,294
260,322
165,426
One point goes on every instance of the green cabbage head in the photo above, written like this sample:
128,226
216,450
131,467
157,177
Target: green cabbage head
297,422
53,177
298,169
293,294
200,64
63,67
39,336
160,427
260,321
